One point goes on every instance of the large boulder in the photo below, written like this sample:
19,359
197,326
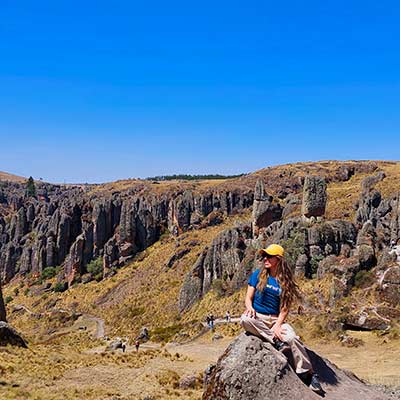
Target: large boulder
389,285
8,335
251,369
367,319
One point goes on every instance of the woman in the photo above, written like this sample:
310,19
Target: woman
269,296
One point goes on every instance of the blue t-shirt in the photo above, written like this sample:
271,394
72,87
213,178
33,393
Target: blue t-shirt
267,302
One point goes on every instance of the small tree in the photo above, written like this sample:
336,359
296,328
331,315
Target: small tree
30,188
95,268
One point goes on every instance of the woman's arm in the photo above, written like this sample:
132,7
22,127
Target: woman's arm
277,328
250,311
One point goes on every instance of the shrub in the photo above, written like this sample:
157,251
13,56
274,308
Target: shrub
16,291
95,268
168,378
49,272
60,287
30,188
8,299
294,246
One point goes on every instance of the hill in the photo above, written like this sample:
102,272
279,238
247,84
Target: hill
5,176
126,251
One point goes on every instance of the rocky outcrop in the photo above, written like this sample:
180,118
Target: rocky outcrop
264,210
64,227
74,263
389,285
314,196
308,244
367,319
251,369
9,336
188,209
176,257
221,261
3,315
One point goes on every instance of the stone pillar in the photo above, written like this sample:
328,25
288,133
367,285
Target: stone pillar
314,197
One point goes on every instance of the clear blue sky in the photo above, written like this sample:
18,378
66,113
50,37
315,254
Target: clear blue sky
93,91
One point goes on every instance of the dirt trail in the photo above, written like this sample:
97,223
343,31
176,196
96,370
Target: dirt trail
100,330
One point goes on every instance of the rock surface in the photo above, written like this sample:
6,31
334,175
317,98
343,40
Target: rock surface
314,196
8,335
251,369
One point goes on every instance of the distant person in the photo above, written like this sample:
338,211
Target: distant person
211,321
228,316
137,344
270,293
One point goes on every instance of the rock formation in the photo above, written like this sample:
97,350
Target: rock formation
8,335
251,369
314,248
3,315
221,261
264,210
69,228
314,196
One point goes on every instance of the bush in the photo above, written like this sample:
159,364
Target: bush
49,272
30,188
294,246
95,268
60,287
8,299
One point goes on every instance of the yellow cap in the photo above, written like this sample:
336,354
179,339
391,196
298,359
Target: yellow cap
273,250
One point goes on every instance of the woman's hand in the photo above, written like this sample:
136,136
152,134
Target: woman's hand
278,331
251,312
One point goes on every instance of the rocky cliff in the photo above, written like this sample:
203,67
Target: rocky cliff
68,227
314,245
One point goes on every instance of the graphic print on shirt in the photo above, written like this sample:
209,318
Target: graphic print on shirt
267,302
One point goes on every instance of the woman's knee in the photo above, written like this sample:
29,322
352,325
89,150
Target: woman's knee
289,334
245,321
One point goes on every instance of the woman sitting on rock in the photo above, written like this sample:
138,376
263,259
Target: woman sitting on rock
270,294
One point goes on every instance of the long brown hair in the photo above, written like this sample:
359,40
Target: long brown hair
284,276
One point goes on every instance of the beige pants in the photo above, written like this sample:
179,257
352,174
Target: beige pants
261,327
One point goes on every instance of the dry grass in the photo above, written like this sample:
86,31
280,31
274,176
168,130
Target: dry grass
343,195
5,176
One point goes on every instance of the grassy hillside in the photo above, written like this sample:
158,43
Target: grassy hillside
5,176
145,293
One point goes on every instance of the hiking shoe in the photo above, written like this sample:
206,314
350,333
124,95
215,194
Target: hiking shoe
315,386
278,344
